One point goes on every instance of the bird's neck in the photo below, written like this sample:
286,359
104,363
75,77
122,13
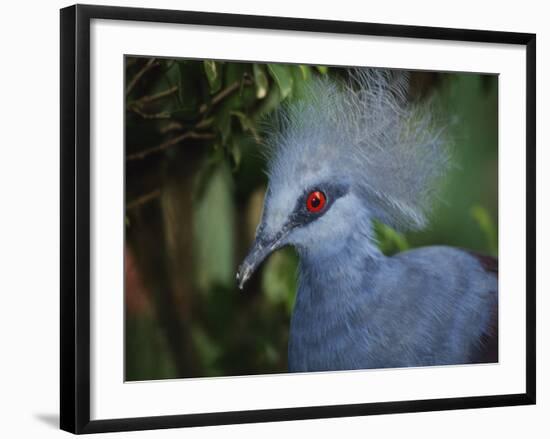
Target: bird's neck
348,265
334,286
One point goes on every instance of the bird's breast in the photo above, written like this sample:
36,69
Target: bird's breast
325,335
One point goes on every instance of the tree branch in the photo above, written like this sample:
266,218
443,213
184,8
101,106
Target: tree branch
169,143
223,94
143,199
150,98
161,115
139,74
189,134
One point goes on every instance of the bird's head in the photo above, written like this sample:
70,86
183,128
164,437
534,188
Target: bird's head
341,156
307,213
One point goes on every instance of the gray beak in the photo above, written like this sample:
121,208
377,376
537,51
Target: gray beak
260,250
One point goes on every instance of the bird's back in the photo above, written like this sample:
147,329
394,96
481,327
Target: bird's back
429,306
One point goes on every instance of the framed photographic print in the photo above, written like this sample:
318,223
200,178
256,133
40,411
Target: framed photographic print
267,218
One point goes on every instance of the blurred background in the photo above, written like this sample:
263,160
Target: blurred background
194,193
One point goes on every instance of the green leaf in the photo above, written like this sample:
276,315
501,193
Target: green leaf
323,70
235,72
236,154
261,81
270,103
223,122
306,71
487,226
212,70
247,124
300,75
234,102
224,115
389,240
283,77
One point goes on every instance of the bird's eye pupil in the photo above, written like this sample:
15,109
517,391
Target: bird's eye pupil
316,200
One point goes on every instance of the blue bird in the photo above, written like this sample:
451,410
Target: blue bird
345,154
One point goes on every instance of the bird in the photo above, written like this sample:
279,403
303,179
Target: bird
350,152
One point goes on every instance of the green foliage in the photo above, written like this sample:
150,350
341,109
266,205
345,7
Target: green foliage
283,77
147,353
279,278
212,70
322,69
470,104
193,134
389,240
486,224
261,81
209,351
214,243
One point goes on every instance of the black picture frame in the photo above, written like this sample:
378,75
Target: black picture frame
75,217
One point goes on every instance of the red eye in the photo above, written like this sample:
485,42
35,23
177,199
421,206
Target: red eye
316,200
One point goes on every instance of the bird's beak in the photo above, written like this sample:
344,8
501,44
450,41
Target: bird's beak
260,250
